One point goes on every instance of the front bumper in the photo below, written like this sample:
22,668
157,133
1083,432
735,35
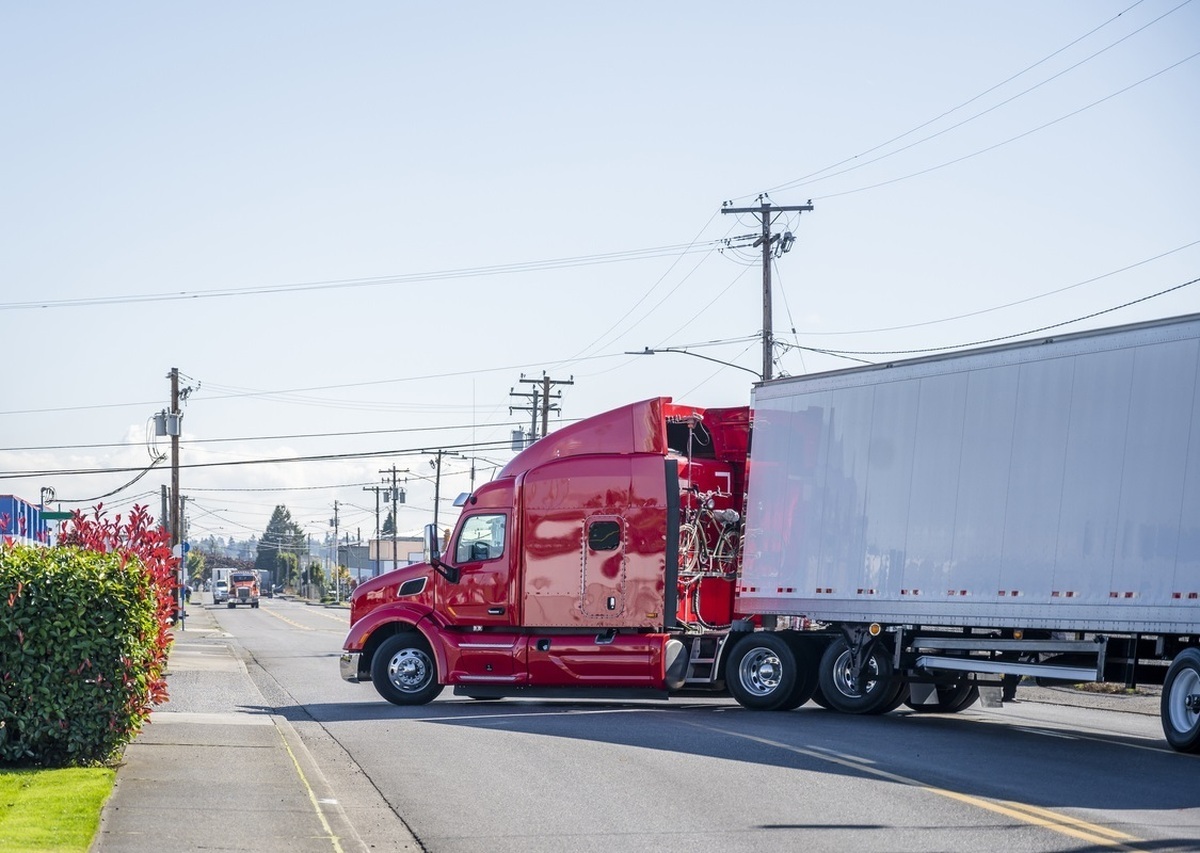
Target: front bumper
348,663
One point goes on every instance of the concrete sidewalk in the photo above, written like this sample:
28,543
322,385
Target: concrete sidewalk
214,769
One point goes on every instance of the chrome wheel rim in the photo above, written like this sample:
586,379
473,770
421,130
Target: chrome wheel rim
760,672
409,670
843,681
1186,683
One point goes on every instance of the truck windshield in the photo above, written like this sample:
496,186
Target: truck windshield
482,538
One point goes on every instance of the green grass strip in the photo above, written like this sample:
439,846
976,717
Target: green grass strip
52,810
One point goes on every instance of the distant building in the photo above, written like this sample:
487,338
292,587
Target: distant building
408,550
356,560
23,522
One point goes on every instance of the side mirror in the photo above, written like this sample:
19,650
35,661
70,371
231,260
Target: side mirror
432,544
434,556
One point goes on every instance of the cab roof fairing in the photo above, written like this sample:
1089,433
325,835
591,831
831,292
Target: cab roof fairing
634,428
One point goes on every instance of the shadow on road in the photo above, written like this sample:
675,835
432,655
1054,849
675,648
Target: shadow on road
968,753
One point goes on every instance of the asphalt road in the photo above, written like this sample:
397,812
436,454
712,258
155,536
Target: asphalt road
700,775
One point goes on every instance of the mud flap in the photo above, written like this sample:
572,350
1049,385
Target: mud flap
989,696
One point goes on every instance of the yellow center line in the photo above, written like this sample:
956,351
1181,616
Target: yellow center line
1064,824
287,620
344,618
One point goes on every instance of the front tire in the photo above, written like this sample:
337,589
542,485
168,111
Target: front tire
762,672
1181,723
876,693
403,670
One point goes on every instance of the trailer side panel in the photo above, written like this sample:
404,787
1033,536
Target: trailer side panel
1051,485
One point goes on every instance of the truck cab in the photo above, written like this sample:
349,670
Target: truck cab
243,589
560,575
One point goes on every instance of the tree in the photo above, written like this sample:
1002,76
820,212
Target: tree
314,580
86,634
282,536
287,569
389,525
196,571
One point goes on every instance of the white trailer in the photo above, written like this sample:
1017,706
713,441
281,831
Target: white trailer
1026,509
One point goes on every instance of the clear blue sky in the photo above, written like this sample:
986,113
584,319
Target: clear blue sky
172,173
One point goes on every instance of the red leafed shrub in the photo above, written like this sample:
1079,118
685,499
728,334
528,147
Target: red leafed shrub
83,639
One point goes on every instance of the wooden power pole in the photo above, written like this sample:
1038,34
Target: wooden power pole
767,213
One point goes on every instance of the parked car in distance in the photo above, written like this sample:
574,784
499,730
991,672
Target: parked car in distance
220,592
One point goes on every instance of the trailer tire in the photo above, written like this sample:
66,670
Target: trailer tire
878,695
951,698
1181,723
819,698
762,671
806,672
403,670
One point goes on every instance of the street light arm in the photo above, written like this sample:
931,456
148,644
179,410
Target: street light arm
649,351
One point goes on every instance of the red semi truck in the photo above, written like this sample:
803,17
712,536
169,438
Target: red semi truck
910,533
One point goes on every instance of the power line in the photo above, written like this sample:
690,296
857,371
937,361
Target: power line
329,457
820,174
286,437
1012,139
279,395
1024,301
850,353
379,281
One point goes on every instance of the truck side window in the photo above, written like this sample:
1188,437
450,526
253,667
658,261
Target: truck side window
482,538
604,536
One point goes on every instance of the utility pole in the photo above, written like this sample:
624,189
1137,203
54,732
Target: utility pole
767,213
437,489
542,401
336,582
176,506
396,495
376,490
532,408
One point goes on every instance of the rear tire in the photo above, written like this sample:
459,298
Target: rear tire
806,672
1181,724
878,693
403,670
762,672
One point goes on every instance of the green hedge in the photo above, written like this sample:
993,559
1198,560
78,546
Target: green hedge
80,653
